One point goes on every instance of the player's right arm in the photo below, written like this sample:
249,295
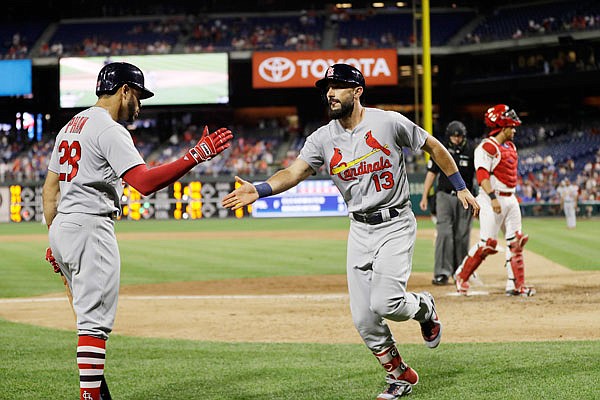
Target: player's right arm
149,180
485,156
50,196
282,180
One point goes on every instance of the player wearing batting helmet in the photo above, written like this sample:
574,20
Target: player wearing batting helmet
362,148
496,164
93,153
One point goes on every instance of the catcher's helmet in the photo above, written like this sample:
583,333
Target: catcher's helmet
501,116
114,75
341,73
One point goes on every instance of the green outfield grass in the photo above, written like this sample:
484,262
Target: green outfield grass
39,363
163,260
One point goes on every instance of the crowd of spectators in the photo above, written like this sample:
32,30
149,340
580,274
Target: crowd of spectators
262,150
362,28
298,32
536,20
143,37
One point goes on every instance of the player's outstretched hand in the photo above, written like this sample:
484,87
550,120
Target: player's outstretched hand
50,258
211,145
467,200
242,196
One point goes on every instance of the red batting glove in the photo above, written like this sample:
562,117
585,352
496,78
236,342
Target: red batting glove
50,258
210,145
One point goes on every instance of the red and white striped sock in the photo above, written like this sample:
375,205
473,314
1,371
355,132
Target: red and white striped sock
91,353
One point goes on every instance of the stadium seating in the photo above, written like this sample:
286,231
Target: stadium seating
537,19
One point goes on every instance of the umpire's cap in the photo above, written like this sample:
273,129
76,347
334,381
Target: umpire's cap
456,128
114,75
341,73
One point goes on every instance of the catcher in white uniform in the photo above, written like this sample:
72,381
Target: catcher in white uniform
81,196
496,164
362,150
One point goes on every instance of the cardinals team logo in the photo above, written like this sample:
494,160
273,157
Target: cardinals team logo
351,169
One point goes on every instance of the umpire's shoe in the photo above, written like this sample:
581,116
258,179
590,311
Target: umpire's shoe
440,280
431,329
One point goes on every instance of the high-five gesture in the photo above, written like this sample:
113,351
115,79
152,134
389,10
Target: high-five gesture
245,194
210,145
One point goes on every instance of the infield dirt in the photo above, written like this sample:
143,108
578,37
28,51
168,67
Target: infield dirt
315,308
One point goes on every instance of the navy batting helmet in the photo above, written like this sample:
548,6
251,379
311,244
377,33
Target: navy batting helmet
341,73
114,75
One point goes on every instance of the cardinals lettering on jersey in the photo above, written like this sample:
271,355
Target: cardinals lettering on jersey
350,170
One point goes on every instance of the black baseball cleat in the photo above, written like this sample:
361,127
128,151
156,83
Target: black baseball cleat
440,280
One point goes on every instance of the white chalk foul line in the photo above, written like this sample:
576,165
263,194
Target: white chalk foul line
339,296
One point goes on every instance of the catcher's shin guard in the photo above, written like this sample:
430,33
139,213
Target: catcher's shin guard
518,265
472,262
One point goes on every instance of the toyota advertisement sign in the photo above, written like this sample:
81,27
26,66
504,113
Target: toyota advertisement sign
303,68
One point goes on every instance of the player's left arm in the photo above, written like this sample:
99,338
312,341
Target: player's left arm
444,160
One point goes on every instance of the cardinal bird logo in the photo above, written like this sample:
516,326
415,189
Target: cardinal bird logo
374,144
335,159
359,166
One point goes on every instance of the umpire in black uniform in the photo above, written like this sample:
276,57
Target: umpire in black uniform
453,222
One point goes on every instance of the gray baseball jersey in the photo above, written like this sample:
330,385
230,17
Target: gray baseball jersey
90,154
367,164
91,149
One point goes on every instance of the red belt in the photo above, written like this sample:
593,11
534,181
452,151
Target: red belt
507,194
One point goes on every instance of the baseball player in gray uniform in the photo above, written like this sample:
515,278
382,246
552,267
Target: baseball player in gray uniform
362,150
81,196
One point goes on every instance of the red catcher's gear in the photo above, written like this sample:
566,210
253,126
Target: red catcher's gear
471,263
501,116
516,260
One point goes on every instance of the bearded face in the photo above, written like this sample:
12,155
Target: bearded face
344,109
341,101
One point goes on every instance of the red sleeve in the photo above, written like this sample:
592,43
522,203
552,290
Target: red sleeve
482,174
148,180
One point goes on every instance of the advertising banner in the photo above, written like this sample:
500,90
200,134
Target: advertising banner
303,68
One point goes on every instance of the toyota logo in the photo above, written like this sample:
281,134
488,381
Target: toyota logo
276,69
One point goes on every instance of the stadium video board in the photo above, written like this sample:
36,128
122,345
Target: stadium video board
175,79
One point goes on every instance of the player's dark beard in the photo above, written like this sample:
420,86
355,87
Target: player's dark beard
131,109
343,112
